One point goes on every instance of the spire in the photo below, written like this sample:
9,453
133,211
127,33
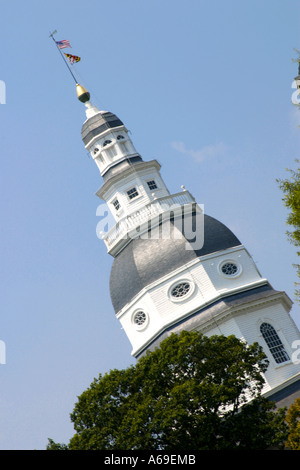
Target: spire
82,94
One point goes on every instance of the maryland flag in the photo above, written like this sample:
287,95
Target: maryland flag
72,58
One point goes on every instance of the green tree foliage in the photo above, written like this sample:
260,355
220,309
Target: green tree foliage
189,394
293,421
291,199
56,446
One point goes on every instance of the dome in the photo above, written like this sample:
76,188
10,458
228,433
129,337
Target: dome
97,124
144,261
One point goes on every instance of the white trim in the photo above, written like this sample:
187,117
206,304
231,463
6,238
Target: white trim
205,326
218,296
283,385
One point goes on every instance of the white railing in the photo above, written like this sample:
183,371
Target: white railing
134,220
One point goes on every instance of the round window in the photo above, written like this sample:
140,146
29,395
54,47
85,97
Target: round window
180,290
229,269
140,319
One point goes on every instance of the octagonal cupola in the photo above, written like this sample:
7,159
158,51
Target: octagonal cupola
106,139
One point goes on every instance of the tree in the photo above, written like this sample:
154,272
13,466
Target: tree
188,394
56,446
293,421
291,190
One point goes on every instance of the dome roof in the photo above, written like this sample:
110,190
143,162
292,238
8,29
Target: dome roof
97,124
144,261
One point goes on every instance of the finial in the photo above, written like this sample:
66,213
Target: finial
82,94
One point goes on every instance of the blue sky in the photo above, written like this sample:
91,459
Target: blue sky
205,88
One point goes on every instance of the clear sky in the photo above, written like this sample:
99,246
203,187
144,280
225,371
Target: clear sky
205,87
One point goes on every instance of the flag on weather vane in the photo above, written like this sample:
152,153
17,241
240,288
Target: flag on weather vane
63,44
72,58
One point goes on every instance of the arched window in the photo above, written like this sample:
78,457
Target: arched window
274,344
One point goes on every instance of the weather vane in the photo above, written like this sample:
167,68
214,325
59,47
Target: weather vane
82,94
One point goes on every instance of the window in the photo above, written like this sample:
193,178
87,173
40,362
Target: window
152,185
139,318
116,204
274,344
132,193
120,137
96,151
106,142
180,289
229,269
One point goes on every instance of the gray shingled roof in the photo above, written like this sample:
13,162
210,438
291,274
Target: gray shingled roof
144,261
97,124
